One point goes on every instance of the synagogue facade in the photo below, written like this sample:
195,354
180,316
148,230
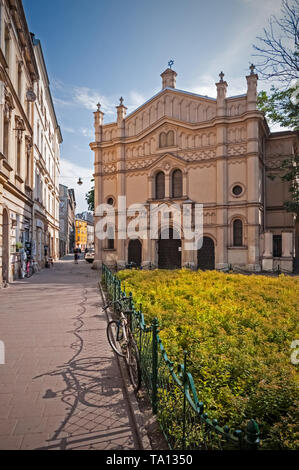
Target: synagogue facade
184,148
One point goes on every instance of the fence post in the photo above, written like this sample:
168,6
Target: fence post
119,289
140,328
114,289
184,403
131,310
155,367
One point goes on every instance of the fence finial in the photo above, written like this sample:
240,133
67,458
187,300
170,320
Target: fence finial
253,433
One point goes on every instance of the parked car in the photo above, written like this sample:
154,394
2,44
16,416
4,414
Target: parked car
89,255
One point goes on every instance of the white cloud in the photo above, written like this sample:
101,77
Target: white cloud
61,102
87,132
69,175
90,98
135,100
205,85
68,129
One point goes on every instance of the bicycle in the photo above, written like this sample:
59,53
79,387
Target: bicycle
122,341
29,268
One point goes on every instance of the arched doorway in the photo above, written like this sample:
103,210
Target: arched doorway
206,255
169,252
135,252
5,248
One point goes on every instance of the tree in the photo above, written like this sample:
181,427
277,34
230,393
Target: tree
292,176
279,48
281,106
279,51
89,197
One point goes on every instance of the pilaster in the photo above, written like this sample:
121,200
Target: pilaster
221,254
98,187
267,261
221,96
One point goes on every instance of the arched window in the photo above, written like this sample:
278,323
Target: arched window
162,140
110,232
177,183
166,140
170,139
160,185
238,232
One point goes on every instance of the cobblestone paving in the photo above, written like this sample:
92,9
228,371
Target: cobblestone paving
60,386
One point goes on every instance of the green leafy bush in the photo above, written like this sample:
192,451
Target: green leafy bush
237,331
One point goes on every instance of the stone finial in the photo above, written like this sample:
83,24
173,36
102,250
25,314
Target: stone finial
252,79
221,95
169,77
98,122
121,114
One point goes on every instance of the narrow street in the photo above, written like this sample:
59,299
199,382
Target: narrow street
60,386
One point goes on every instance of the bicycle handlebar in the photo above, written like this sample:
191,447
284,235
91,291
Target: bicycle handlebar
114,302
118,301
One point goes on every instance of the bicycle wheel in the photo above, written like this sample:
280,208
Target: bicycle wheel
133,363
116,338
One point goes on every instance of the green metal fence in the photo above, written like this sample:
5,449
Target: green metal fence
182,417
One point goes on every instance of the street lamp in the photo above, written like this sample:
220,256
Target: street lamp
79,182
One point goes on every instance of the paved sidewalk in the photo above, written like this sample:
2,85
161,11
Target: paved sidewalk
60,387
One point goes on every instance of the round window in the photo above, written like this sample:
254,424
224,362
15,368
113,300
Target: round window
237,190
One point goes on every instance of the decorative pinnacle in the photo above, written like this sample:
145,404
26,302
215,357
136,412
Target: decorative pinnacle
252,67
170,63
121,100
221,75
99,107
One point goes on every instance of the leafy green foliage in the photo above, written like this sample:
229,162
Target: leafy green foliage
90,198
280,108
237,330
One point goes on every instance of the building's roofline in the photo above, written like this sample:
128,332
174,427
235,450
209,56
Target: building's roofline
37,44
244,95
283,133
175,90
19,6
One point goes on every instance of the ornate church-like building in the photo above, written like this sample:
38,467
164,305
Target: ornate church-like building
181,147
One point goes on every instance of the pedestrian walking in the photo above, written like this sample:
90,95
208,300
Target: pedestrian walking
76,255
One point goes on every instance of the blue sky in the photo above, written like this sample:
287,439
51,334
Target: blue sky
99,50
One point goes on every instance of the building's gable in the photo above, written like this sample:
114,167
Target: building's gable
173,104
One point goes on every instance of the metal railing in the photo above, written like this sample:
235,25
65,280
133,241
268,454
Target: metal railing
181,416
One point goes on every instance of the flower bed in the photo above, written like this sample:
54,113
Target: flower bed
238,331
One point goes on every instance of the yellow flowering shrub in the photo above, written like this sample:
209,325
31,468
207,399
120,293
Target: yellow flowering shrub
238,331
